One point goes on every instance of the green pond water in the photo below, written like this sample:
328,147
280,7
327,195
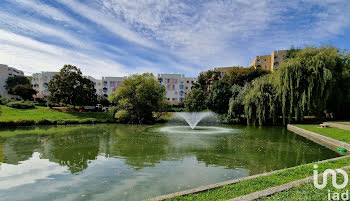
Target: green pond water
128,162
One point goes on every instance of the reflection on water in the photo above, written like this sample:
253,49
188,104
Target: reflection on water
123,162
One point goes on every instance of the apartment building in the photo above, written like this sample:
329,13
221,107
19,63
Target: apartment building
40,82
107,85
177,86
6,72
269,62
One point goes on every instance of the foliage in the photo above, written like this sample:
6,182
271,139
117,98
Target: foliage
138,98
70,87
196,100
21,104
11,82
307,83
260,102
26,92
206,79
236,106
240,75
103,100
219,97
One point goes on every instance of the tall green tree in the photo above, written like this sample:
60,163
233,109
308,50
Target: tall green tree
138,98
11,82
240,75
70,87
236,106
196,100
26,92
219,97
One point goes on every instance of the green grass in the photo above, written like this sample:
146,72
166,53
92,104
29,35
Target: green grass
335,133
44,113
257,184
308,191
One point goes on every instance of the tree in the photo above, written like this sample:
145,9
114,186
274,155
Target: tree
309,82
196,100
206,79
26,92
11,82
103,100
236,106
219,97
138,98
69,87
240,75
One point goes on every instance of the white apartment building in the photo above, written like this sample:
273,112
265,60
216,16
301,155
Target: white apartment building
177,86
6,72
107,85
40,82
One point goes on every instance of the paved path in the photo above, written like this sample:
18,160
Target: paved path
338,125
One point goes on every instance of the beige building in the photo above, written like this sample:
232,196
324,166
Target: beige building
40,82
177,86
6,72
269,62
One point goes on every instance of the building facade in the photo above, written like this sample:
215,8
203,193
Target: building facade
107,85
40,82
177,86
269,62
6,72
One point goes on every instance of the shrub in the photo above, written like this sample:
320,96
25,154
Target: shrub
5,101
25,122
21,104
46,122
88,121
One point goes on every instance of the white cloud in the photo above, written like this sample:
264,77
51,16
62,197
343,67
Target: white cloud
33,56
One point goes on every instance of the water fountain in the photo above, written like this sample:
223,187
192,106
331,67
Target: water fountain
193,119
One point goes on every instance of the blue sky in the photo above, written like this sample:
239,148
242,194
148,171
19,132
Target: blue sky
122,37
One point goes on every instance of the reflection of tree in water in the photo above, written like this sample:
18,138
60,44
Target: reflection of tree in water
138,145
2,153
19,147
74,150
268,150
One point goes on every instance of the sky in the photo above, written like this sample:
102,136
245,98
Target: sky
122,37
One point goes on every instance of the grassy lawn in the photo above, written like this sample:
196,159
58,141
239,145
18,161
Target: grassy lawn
45,113
308,191
257,184
335,133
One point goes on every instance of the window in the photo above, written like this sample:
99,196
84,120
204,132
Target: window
111,83
181,86
174,99
181,93
168,98
175,81
182,99
173,87
264,59
105,90
192,82
175,92
265,67
168,87
186,87
168,81
104,83
188,81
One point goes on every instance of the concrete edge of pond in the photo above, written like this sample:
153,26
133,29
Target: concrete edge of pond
277,189
320,139
218,185
337,125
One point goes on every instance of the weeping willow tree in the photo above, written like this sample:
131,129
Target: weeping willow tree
301,86
260,103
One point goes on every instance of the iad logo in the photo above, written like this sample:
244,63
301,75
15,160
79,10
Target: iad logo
332,195
334,178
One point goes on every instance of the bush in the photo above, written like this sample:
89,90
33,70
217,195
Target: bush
46,122
5,101
88,121
21,104
123,116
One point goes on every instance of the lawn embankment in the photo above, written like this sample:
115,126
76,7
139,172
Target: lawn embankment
264,182
308,191
46,116
335,133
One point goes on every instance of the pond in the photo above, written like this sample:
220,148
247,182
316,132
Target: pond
132,162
